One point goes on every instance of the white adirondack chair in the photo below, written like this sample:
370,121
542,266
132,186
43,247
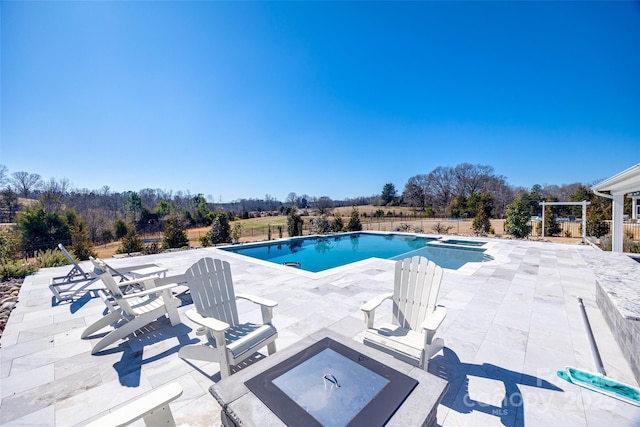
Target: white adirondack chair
228,341
135,310
410,336
153,408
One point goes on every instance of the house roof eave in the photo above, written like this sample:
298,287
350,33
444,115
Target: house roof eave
627,181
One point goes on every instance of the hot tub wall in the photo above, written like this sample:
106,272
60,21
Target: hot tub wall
625,331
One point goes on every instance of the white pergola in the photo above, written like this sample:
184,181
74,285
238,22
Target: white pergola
583,203
627,181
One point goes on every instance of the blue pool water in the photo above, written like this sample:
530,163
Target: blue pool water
320,253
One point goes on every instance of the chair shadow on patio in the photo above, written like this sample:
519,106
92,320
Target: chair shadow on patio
217,376
77,303
511,411
159,334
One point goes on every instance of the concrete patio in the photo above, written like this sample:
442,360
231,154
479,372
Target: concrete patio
511,324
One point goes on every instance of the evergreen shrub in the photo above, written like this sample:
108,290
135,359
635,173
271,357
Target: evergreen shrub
51,258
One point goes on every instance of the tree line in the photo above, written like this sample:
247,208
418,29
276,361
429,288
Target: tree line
100,216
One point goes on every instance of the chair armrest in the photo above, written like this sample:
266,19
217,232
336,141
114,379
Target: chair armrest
434,320
178,279
143,407
370,306
208,322
149,291
266,305
258,300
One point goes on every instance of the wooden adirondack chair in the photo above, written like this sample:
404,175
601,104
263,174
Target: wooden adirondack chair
410,336
228,341
135,310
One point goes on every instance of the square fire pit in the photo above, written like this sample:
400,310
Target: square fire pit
329,384
329,380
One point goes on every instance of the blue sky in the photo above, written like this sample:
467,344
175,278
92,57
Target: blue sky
243,99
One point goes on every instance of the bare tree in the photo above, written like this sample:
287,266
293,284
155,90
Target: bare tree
61,186
562,192
149,197
471,179
53,194
164,194
25,182
416,192
502,193
441,182
96,223
324,204
271,203
181,200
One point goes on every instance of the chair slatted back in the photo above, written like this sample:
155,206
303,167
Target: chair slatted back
211,289
415,293
101,270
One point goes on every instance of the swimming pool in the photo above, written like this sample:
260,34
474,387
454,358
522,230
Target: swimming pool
319,253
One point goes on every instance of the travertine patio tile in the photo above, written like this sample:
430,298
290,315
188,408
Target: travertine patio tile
37,323
45,417
501,355
349,325
514,316
539,408
26,379
287,337
165,370
35,398
73,364
506,336
49,355
478,316
86,404
14,320
50,330
464,346
8,339
201,412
